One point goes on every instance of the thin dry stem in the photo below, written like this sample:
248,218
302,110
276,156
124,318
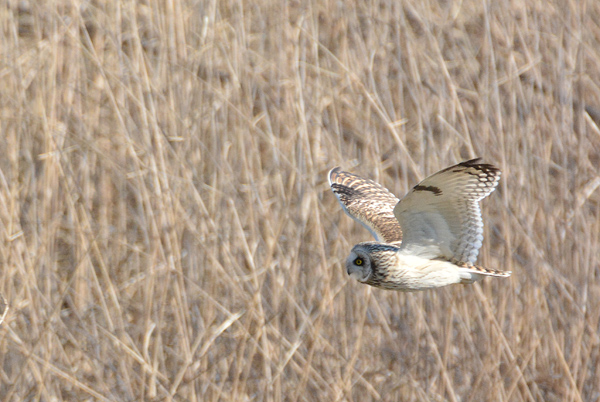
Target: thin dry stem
168,229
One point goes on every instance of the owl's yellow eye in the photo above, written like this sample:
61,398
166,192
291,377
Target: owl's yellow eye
358,261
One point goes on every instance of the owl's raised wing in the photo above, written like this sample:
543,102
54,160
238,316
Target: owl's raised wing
367,202
440,216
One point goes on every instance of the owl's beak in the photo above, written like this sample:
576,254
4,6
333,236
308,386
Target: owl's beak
355,273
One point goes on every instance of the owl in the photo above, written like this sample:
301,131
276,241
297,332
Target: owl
428,239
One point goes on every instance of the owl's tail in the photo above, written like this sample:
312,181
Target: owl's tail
473,273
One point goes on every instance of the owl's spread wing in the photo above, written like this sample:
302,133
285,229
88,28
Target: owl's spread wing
440,216
367,202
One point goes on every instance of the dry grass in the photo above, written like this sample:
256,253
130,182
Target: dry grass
167,228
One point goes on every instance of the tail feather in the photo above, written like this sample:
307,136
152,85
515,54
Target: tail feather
473,273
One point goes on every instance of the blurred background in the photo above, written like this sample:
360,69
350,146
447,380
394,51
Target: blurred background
168,232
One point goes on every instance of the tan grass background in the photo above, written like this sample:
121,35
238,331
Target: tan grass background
167,228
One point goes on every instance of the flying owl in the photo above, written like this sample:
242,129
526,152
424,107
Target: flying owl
428,239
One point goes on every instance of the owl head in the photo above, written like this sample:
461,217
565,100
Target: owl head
367,259
358,264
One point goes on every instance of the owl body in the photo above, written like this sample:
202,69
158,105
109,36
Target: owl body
428,239
387,267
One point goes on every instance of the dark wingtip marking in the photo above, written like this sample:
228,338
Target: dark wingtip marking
343,191
475,163
485,168
433,189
